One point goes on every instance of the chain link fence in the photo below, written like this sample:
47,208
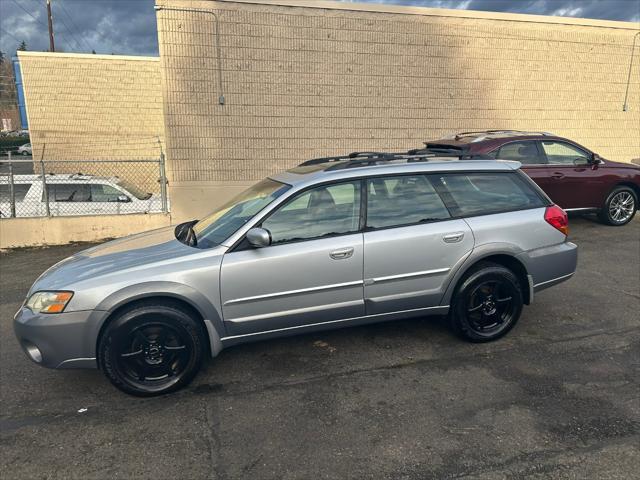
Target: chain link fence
43,188
89,175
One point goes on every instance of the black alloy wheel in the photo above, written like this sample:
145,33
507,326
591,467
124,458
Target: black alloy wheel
487,304
152,349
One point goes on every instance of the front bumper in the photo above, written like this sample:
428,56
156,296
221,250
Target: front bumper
64,340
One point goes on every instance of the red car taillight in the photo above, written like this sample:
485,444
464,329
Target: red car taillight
557,218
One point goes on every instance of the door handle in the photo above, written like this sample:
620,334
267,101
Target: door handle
341,253
453,237
557,175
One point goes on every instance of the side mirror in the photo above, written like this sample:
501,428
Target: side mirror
123,198
259,237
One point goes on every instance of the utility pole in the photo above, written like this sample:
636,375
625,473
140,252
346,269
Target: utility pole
52,47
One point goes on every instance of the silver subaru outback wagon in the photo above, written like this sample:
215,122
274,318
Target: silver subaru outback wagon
333,242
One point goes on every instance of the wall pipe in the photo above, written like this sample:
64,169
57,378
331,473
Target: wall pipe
221,98
626,94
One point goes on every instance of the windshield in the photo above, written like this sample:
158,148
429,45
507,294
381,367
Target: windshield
134,190
223,222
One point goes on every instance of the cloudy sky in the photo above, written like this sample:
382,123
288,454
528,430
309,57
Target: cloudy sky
129,26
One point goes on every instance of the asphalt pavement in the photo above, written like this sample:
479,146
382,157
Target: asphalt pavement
22,166
559,397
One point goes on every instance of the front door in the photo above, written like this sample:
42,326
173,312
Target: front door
106,199
411,246
312,271
570,176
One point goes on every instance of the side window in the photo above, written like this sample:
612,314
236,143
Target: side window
19,190
104,193
69,192
486,193
559,153
403,200
523,152
319,212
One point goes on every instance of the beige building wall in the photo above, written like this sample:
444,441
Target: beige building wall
303,79
92,107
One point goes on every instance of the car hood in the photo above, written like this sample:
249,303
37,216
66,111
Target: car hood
128,253
612,164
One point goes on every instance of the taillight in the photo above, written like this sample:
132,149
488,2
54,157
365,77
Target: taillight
557,218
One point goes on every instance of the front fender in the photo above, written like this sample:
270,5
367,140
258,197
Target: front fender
210,313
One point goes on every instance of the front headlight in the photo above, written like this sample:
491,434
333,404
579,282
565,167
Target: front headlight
48,302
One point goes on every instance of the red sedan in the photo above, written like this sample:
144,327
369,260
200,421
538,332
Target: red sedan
574,177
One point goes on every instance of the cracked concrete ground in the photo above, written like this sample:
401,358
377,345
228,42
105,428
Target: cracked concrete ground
559,397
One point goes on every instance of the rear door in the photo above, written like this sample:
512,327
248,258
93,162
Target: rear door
411,244
312,272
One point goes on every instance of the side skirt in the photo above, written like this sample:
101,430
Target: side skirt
334,324
582,210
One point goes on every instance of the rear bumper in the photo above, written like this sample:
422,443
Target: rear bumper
549,266
550,283
64,340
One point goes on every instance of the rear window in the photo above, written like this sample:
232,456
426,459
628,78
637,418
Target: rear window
19,190
485,193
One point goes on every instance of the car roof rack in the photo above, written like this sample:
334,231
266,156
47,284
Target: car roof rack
350,156
503,131
364,159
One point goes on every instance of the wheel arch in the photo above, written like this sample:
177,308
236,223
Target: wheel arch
505,257
625,183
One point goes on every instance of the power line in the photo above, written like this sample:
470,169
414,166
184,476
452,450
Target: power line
69,32
11,35
46,26
29,13
64,24
79,30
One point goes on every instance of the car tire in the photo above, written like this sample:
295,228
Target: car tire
26,154
620,207
152,349
486,304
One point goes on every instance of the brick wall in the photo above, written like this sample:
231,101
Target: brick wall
8,98
95,107
301,82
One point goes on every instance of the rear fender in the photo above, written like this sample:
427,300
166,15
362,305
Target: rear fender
479,253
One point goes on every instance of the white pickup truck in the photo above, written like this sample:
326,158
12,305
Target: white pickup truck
74,194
